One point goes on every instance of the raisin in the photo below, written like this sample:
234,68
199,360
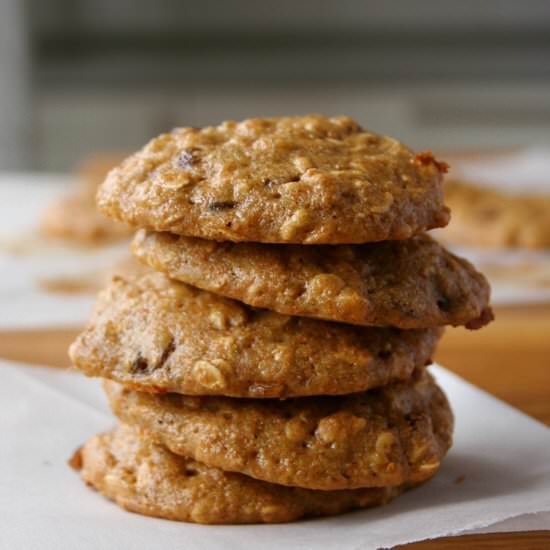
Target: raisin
168,350
140,364
221,205
444,304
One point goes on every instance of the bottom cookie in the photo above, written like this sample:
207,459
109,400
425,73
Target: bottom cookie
142,476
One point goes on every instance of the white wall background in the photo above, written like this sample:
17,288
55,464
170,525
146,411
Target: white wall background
109,75
15,92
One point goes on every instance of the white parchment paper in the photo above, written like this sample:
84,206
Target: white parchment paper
499,468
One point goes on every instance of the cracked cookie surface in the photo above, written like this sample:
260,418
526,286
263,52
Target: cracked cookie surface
142,476
308,180
408,284
159,335
384,437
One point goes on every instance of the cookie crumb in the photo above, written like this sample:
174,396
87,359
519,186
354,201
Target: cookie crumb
75,462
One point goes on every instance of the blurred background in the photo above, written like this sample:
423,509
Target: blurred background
81,76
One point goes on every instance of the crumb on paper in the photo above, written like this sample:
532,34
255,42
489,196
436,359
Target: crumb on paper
85,284
21,245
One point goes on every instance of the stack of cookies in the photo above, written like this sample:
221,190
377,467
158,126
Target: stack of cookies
272,364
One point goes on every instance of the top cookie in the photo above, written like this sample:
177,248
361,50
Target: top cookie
305,180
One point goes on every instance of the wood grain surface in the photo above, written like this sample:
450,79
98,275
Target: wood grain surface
510,359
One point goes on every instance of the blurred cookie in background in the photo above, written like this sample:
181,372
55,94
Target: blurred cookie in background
486,217
74,218
500,220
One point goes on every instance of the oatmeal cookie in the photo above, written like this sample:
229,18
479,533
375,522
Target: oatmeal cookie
74,218
414,283
491,218
144,477
159,335
307,180
384,437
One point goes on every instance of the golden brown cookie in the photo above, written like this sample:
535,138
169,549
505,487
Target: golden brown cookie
385,437
141,476
155,334
491,218
310,180
74,218
414,283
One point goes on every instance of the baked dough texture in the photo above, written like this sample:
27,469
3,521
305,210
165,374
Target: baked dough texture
305,180
159,335
142,476
408,284
385,437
